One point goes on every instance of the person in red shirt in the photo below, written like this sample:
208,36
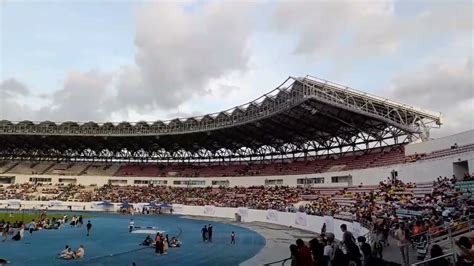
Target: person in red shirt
304,254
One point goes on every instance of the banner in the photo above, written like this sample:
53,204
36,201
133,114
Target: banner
300,218
329,221
209,210
243,212
356,229
178,208
272,215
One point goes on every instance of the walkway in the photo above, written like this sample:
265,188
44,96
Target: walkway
278,238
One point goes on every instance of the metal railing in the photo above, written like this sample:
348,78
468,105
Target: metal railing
451,258
283,261
364,223
443,238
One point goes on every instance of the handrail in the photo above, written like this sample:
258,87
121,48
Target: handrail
278,261
450,228
447,234
444,229
452,254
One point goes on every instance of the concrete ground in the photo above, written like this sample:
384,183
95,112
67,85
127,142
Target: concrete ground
278,239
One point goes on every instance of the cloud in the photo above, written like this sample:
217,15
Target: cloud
344,31
11,88
447,88
180,51
81,98
11,93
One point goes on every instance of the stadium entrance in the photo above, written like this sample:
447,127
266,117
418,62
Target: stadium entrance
460,168
7,180
342,179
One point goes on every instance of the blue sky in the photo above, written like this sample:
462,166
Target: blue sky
133,60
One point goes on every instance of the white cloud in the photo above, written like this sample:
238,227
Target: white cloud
81,98
11,88
194,57
447,88
179,52
346,30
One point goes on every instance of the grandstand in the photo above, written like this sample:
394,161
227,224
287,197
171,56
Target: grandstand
306,131
304,125
309,145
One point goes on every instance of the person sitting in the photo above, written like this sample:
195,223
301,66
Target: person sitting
175,243
64,251
79,252
67,254
16,237
148,241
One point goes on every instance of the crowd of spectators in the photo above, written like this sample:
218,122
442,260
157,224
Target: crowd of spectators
376,204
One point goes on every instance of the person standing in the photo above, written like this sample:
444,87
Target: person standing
80,222
4,233
22,231
160,244
232,238
89,227
294,255
209,232
157,244
323,230
347,236
165,246
204,233
402,241
131,225
304,254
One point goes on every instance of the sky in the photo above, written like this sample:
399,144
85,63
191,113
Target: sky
155,60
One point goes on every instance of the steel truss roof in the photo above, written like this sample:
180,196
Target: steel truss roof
302,116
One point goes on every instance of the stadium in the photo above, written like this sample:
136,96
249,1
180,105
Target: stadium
308,153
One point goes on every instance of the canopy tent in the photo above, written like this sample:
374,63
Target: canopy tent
165,206
105,203
126,205
152,205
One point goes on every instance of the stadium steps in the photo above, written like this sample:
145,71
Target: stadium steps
47,169
9,166
84,171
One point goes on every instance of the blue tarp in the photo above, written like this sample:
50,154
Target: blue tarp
152,205
105,203
165,206
126,205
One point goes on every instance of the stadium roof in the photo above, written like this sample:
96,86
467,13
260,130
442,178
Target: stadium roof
302,116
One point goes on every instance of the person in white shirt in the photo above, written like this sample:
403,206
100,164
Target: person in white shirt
329,249
403,243
22,231
66,254
64,251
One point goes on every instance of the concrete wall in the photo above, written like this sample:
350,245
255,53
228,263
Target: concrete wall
461,139
296,220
